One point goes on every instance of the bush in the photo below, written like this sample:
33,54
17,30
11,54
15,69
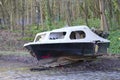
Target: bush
114,41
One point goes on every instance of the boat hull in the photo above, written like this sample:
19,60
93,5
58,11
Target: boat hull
67,49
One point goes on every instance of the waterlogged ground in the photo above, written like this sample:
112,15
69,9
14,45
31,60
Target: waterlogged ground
18,67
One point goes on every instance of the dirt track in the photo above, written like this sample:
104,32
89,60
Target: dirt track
18,68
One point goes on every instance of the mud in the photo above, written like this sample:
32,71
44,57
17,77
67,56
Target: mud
14,67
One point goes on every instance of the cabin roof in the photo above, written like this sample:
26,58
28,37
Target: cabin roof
70,28
64,29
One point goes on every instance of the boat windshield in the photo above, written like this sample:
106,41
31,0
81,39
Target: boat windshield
40,37
57,35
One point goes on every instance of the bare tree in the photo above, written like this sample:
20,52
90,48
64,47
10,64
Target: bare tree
23,17
104,24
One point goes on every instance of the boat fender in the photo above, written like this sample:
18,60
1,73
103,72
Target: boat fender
96,46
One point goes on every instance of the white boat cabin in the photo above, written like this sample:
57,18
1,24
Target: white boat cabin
68,35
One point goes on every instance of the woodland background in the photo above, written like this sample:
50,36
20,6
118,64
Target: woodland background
28,17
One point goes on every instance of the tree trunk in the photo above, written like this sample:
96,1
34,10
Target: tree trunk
37,9
11,17
48,14
23,17
86,13
68,13
41,15
104,25
3,15
110,10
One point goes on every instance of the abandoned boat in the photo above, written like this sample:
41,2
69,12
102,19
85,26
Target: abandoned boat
67,41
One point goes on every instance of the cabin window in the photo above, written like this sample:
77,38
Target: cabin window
77,35
57,35
40,37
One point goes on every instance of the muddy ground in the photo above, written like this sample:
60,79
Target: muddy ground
18,67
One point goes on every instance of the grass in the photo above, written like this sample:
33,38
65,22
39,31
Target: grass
114,38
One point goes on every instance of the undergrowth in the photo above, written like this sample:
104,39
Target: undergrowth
114,38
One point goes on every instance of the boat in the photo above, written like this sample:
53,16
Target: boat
68,41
